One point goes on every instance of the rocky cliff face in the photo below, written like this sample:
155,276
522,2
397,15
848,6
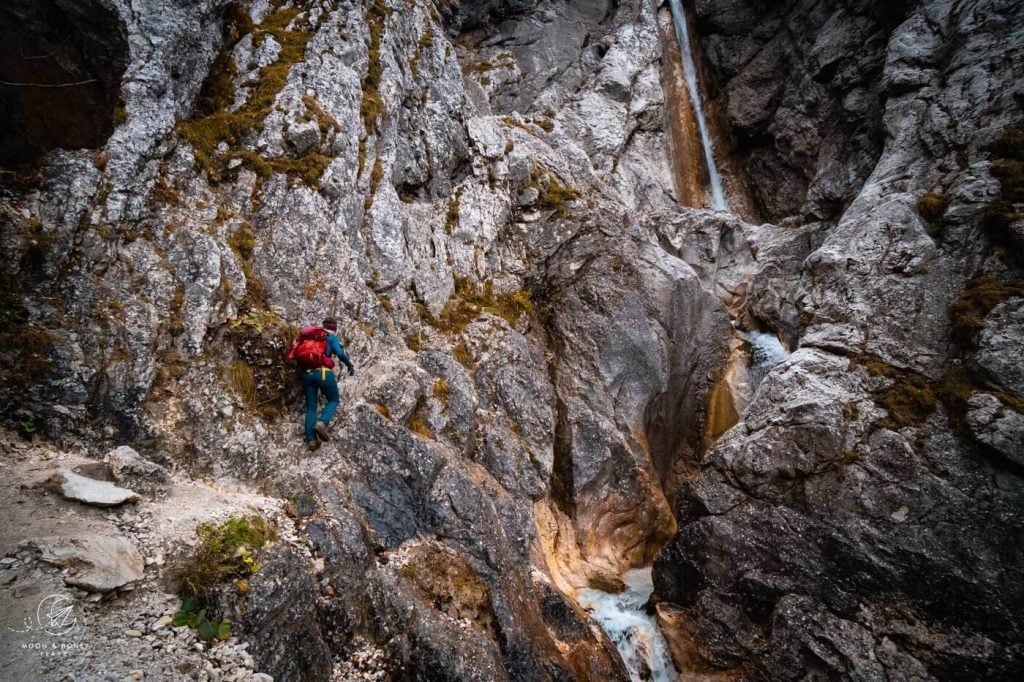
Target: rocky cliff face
863,518
469,187
482,193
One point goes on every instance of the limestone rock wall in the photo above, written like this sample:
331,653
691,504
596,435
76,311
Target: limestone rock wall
861,519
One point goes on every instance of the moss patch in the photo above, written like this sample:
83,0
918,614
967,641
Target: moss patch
911,398
553,195
215,124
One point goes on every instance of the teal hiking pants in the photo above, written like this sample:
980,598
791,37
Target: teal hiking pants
315,382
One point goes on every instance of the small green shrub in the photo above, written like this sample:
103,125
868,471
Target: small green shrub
30,425
224,551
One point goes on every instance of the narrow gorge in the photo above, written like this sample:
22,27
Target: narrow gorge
687,339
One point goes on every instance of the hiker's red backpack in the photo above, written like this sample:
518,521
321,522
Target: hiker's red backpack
308,349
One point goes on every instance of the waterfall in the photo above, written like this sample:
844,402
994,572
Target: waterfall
765,352
690,70
634,632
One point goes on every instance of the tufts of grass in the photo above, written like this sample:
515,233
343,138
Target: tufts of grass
467,303
462,355
176,326
418,421
967,314
1007,153
243,242
425,43
413,343
376,175
372,106
243,380
441,391
326,122
553,195
260,341
451,217
164,193
224,551
932,206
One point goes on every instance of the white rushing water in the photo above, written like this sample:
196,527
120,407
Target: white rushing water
690,71
765,352
634,633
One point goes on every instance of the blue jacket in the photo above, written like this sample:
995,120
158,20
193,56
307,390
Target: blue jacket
335,348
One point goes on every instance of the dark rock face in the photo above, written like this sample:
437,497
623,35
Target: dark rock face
802,94
278,617
61,63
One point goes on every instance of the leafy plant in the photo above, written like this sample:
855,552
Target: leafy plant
193,614
30,425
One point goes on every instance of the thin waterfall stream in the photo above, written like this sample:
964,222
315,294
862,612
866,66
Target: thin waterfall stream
624,616
718,201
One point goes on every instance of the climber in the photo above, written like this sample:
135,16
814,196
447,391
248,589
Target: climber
312,351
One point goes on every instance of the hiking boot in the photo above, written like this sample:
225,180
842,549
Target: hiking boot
312,444
321,431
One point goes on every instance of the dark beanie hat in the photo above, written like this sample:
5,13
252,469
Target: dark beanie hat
331,323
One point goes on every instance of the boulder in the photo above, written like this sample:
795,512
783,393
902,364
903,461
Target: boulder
129,468
90,491
997,426
97,563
